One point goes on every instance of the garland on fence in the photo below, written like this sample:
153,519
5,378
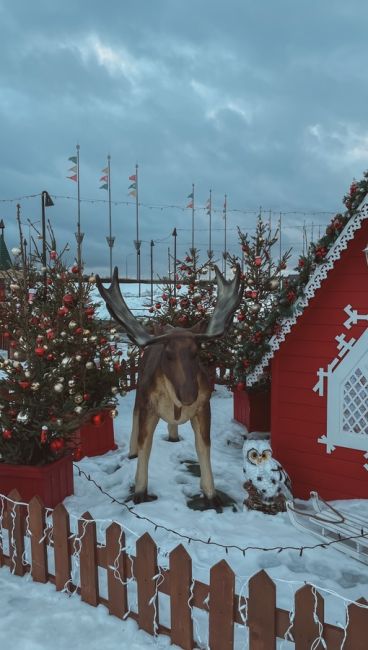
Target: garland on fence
209,542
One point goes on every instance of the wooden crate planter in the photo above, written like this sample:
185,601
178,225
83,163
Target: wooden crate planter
52,482
95,437
253,408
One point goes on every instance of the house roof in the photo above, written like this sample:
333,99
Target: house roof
315,282
5,261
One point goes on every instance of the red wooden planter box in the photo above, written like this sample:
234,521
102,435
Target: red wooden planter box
95,437
253,409
52,482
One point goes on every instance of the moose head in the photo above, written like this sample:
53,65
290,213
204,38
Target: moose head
172,383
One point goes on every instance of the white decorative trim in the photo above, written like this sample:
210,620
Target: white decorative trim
311,288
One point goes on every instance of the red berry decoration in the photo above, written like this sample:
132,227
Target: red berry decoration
40,351
68,299
258,260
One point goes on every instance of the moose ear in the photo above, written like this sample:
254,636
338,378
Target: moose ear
199,327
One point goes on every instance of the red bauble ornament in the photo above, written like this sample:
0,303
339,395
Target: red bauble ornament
178,286
188,259
184,303
173,302
57,445
86,397
7,434
97,419
258,260
301,263
78,330
253,294
68,299
24,384
158,305
241,317
89,311
164,296
75,268
63,311
150,310
53,255
40,351
246,363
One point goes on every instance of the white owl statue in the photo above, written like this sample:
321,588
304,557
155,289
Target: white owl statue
266,482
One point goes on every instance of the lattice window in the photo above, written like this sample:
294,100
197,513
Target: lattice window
355,404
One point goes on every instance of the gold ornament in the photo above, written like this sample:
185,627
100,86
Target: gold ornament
78,398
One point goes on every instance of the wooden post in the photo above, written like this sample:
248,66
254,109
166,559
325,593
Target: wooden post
145,570
305,629
221,615
180,584
61,534
116,560
262,612
88,559
357,633
16,527
38,540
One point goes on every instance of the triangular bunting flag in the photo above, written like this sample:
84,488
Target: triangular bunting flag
73,178
73,159
104,187
73,169
190,205
190,196
133,178
132,186
133,193
104,178
105,171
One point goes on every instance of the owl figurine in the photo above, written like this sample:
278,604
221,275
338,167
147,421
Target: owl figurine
267,483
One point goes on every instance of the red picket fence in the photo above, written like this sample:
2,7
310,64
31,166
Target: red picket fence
266,622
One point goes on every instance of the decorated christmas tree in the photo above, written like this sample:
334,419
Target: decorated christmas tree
263,300
63,368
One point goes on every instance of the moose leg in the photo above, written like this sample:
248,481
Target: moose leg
173,432
147,426
201,424
133,447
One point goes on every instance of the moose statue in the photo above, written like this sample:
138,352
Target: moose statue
172,383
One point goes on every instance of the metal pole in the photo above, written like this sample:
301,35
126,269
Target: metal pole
192,219
110,232
210,251
280,245
168,256
152,245
225,242
174,234
137,232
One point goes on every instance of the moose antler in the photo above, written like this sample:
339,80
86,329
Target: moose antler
120,311
229,295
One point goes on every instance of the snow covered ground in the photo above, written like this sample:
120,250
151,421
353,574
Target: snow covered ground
173,484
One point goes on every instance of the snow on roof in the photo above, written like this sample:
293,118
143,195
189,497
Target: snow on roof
311,288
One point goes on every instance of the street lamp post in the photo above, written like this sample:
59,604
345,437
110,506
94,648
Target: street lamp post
152,245
46,202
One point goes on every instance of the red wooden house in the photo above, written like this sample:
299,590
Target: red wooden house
319,370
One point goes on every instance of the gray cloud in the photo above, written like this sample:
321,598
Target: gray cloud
266,103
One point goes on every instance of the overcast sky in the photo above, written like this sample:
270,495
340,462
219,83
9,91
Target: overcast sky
264,101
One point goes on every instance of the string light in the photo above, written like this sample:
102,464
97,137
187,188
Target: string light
209,542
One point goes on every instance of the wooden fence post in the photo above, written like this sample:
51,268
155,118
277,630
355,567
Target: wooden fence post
357,632
61,534
180,585
88,559
16,527
145,570
305,631
38,540
116,564
262,612
221,614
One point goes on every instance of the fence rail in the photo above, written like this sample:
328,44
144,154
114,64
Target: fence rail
257,612
218,375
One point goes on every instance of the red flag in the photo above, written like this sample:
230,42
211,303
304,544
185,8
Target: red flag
104,178
133,178
190,205
73,178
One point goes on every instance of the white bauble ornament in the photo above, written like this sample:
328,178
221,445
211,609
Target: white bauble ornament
16,251
90,365
58,388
